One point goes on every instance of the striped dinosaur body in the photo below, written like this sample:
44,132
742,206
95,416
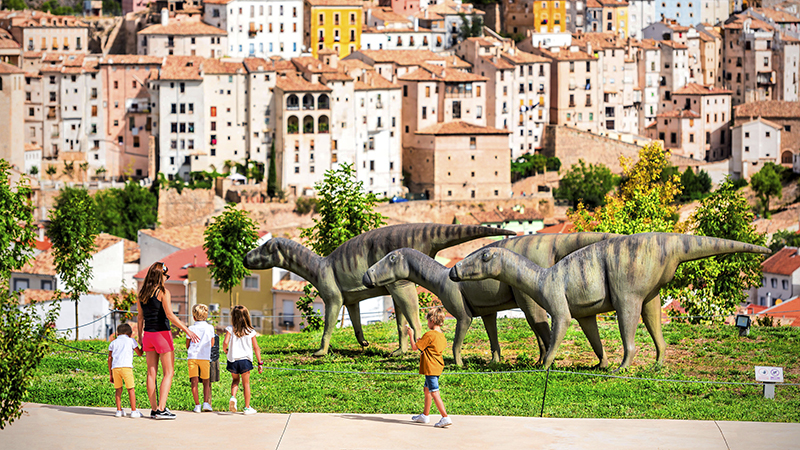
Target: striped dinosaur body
465,300
337,277
623,274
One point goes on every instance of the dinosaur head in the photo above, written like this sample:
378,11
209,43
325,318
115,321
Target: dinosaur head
478,265
388,270
266,256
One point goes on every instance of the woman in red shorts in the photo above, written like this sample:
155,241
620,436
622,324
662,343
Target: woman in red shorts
155,315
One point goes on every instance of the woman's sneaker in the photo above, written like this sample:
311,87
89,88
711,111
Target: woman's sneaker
196,408
232,404
119,413
207,407
135,414
164,415
153,413
420,418
443,422
248,411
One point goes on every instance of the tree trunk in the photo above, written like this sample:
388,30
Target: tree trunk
76,319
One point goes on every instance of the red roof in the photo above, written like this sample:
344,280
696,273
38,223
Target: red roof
178,262
785,262
563,227
788,311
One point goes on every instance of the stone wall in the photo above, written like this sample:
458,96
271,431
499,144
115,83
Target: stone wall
190,207
570,145
445,211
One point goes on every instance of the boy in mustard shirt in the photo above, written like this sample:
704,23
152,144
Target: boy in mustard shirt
431,365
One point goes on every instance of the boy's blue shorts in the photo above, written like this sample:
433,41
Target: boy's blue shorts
432,383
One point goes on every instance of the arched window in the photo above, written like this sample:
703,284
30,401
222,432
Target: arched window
293,125
308,101
323,102
323,125
292,102
308,124
786,157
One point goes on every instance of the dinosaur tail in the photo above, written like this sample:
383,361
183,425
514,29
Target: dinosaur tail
690,248
444,236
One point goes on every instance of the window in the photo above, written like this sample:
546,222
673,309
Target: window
251,283
456,109
213,111
784,284
424,112
774,282
473,142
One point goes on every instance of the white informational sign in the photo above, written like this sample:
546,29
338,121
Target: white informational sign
769,374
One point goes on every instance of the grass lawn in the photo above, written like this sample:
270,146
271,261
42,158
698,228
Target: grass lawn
694,352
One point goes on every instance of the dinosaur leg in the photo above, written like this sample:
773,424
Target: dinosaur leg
557,333
628,313
406,305
651,316
490,323
354,311
589,326
463,321
537,320
332,308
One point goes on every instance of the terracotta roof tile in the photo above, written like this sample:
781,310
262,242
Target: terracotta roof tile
738,23
498,63
387,15
181,68
8,68
774,109
777,15
222,67
184,29
774,125
181,237
451,8
296,83
520,57
785,262
598,40
459,127
565,54
373,81
674,45
290,286
787,311
563,227
7,41
402,57
132,252
699,89
41,264
682,114
131,60
429,72
40,295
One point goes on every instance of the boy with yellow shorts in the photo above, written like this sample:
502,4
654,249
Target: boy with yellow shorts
120,367
200,356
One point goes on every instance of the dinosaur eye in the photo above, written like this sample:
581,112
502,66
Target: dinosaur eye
392,258
486,257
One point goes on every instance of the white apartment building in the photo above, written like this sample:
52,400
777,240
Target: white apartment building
223,120
649,72
258,28
754,143
181,38
642,14
12,94
674,72
83,125
714,12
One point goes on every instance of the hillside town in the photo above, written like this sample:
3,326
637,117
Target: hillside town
431,102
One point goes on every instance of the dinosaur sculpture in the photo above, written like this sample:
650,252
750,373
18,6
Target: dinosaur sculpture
623,274
337,276
465,300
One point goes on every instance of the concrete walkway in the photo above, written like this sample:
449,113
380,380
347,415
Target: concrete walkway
46,426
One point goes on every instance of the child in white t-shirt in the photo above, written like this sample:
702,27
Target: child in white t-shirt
240,340
120,367
199,358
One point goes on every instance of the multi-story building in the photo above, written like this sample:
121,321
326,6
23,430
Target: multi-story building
748,60
387,30
642,14
674,71
41,31
686,13
649,73
574,87
221,132
262,75
185,38
12,97
547,16
258,28
784,113
448,16
753,144
394,63
575,15
333,24
713,12
782,21
404,7
710,55
781,278
680,131
607,16
128,115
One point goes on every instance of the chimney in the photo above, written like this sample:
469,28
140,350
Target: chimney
164,17
416,24
426,13
589,48
194,262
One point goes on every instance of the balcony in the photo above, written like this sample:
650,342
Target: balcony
589,103
379,105
54,134
766,78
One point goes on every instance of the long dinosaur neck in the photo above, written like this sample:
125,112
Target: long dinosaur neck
426,272
690,248
519,272
445,236
299,259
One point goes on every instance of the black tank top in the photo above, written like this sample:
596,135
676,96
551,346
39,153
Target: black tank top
155,319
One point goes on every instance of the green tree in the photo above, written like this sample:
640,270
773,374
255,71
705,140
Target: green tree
345,210
112,8
227,240
471,26
69,169
766,183
34,170
586,184
643,202
123,212
17,232
51,170
73,229
272,175
16,5
714,286
784,238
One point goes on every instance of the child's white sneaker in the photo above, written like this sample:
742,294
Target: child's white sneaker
420,418
120,413
207,407
135,414
232,404
443,422
196,408
249,411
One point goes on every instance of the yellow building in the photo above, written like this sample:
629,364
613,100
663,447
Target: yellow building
255,292
333,24
550,16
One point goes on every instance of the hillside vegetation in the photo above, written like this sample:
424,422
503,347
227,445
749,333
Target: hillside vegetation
695,352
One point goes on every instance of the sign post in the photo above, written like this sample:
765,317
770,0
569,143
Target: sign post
769,376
